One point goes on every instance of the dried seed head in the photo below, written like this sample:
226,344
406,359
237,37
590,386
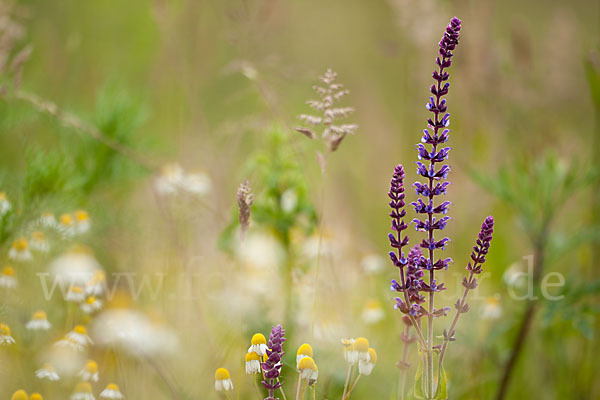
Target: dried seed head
245,199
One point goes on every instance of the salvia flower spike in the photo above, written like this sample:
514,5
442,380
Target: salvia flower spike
272,365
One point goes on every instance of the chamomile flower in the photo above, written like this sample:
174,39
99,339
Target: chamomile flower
223,380
196,183
39,322
5,205
5,337
373,312
111,392
20,395
308,370
252,363
77,339
83,391
66,225
303,351
366,366
47,372
359,351
95,287
48,220
91,305
75,294
19,250
259,344
39,242
82,221
76,266
36,396
348,345
7,278
491,308
170,179
89,373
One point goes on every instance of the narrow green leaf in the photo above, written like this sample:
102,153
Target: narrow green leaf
442,389
419,391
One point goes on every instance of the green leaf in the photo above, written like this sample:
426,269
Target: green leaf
441,393
419,391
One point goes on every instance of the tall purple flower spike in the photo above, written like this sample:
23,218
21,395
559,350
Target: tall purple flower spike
272,366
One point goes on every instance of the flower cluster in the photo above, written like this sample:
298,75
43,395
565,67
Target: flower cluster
272,365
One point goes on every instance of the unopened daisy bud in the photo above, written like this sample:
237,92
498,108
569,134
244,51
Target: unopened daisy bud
252,363
20,395
259,344
47,372
75,294
89,372
366,366
111,392
19,250
91,305
36,396
82,221
303,351
5,205
8,278
5,337
38,322
39,242
308,370
223,380
359,350
83,391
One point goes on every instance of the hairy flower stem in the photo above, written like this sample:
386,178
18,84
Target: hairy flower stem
538,267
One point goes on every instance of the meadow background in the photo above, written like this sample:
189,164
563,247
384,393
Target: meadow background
206,84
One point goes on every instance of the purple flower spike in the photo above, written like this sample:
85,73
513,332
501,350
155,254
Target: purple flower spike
272,366
482,245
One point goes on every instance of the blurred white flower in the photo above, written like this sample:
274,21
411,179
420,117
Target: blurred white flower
66,360
82,221
111,392
365,367
492,309
75,294
373,312
19,251
5,205
515,275
373,263
83,391
47,372
289,201
75,267
66,225
48,220
133,332
77,339
89,373
5,337
39,322
95,287
8,278
91,305
196,183
170,178
39,242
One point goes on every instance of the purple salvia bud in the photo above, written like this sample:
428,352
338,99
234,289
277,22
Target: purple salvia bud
272,366
482,246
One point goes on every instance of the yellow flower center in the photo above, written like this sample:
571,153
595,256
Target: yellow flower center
3,196
76,289
4,330
221,374
259,338
372,355
19,395
38,236
36,396
373,304
83,387
20,244
80,329
361,345
252,357
307,363
112,386
81,216
305,350
39,315
90,300
8,271
91,367
66,220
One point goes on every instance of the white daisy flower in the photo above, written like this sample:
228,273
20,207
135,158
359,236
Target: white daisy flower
304,350
373,312
91,305
196,183
259,344
289,201
39,322
77,339
366,366
75,294
47,372
223,380
95,287
348,345
492,309
82,221
252,363
39,242
170,179
48,220
5,337
75,267
308,370
89,373
19,250
66,225
5,205
111,392
359,351
83,391
8,278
